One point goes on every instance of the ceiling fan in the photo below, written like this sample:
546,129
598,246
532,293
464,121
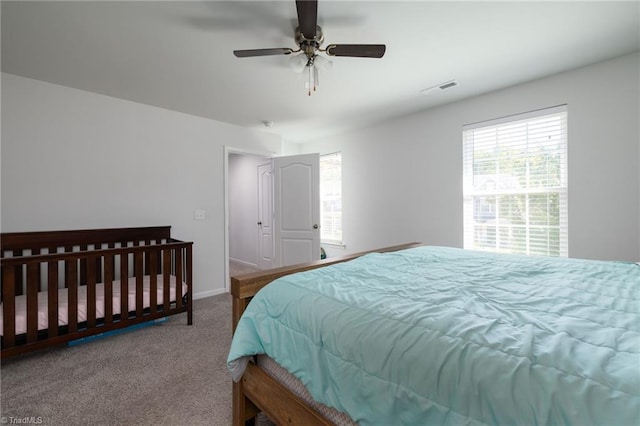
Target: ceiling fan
309,38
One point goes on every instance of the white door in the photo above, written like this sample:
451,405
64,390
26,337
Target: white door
265,216
297,208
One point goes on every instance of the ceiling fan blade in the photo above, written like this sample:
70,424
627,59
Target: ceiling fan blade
307,17
262,52
357,50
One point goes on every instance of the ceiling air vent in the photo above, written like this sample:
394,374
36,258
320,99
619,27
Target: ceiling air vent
439,87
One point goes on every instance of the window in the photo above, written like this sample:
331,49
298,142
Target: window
515,184
331,198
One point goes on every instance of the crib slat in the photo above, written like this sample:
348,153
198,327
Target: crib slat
153,281
147,257
114,268
178,252
138,258
91,291
124,287
72,293
108,289
9,306
67,249
19,275
33,284
166,274
189,279
52,291
83,265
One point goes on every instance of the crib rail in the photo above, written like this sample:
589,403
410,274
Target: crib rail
86,269
38,240
17,244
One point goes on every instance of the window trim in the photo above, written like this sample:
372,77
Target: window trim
324,241
469,192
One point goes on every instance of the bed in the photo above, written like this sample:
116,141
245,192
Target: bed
60,286
436,335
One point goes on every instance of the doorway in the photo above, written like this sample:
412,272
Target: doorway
272,210
242,206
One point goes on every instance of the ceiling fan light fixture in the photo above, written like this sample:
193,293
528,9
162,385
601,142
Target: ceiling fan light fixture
297,63
322,63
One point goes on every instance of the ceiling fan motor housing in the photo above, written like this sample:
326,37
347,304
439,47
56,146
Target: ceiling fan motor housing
309,46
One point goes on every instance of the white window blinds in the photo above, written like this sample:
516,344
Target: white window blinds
515,184
331,198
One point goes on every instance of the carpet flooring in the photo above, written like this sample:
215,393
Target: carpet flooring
165,374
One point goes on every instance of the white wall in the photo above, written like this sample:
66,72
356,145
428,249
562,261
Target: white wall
73,159
402,180
243,207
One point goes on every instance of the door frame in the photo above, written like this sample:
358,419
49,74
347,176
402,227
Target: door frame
228,150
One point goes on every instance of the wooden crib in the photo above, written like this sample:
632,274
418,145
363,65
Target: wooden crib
75,280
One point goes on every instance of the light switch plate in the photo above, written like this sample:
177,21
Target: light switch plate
198,214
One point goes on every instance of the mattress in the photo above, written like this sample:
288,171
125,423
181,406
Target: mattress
436,335
63,311
290,382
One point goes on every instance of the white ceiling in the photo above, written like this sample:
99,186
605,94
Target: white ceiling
178,55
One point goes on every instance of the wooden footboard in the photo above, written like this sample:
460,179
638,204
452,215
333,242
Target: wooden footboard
257,391
81,262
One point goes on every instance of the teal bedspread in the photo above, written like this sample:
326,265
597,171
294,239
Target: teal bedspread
435,335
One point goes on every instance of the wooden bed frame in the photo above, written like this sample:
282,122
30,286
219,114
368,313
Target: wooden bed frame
48,261
257,391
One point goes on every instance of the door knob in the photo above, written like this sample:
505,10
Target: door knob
259,223
315,226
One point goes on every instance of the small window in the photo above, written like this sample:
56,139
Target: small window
331,198
515,184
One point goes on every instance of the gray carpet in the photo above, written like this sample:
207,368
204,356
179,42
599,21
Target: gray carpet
167,374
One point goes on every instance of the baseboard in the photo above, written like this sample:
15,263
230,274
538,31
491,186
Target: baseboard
243,262
209,293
